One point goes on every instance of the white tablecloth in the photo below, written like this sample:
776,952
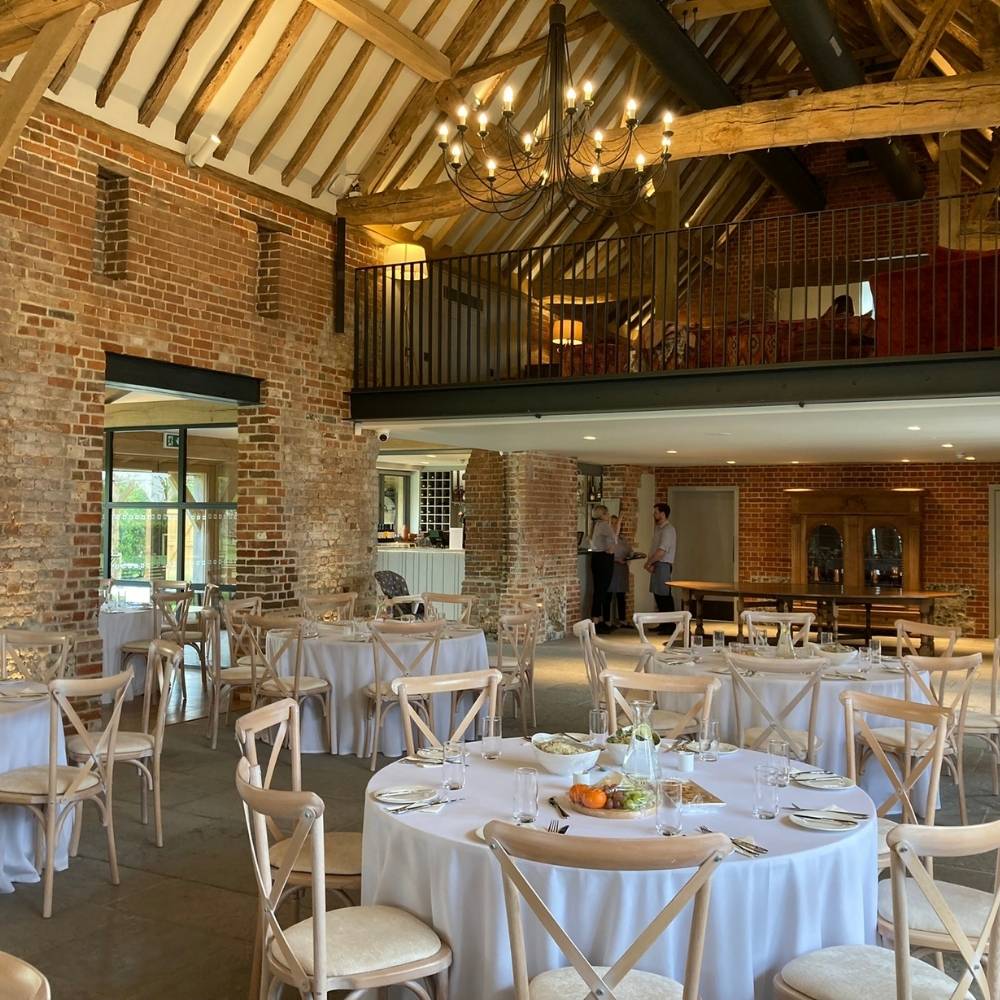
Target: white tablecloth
24,742
117,628
350,667
811,891
776,690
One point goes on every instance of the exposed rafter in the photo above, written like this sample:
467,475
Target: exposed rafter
926,39
21,21
123,56
69,63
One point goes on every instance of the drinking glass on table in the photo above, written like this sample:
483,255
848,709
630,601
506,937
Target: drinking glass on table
525,795
697,645
875,652
708,747
452,769
598,726
718,641
826,638
864,660
491,734
765,792
669,807
777,752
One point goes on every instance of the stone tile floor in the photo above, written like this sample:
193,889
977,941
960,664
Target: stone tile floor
180,924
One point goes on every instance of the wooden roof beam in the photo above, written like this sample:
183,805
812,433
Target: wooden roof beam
69,63
123,56
927,104
47,53
925,41
171,70
22,20
387,32
221,70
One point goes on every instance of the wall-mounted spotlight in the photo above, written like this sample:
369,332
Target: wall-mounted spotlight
199,151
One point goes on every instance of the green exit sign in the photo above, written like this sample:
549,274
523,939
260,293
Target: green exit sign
171,439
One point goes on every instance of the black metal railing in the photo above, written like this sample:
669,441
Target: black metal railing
873,281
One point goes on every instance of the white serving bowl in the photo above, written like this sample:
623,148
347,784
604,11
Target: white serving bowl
563,764
616,752
834,658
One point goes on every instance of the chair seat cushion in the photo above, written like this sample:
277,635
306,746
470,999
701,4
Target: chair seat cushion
126,745
894,737
981,722
862,971
343,854
362,939
970,906
35,780
797,737
236,675
22,981
136,646
566,984
307,685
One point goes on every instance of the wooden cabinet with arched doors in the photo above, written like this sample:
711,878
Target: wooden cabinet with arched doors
858,538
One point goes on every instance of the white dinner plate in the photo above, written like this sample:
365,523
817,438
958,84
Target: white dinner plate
826,782
430,753
406,795
23,689
823,825
353,638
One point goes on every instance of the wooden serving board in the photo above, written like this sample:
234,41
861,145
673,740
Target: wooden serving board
609,813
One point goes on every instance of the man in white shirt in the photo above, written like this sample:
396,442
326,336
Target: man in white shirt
660,563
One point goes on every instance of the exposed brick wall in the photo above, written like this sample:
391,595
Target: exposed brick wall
520,535
623,481
188,293
955,535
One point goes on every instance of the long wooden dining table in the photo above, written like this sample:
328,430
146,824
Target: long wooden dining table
827,596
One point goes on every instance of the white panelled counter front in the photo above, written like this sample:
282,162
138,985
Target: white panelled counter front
425,570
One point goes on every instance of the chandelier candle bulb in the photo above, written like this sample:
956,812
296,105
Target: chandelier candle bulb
640,163
571,100
595,174
491,168
598,143
508,100
483,122
588,92
442,135
456,153
528,140
463,114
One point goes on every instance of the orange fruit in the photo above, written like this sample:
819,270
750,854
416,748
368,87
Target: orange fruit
577,792
595,798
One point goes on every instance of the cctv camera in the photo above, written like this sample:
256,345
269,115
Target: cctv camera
383,435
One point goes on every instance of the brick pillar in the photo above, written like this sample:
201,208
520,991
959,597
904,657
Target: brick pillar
520,535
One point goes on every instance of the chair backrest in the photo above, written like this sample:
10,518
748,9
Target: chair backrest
584,631
266,657
948,685
210,596
398,607
703,853
170,613
330,607
929,723
163,662
391,661
681,621
485,682
622,686
33,655
910,635
303,812
778,723
238,631
445,606
99,744
170,587
517,635
912,850
759,623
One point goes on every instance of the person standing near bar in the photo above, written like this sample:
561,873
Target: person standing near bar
660,563
602,565
618,591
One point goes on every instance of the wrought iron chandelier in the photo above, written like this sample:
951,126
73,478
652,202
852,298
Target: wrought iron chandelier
566,160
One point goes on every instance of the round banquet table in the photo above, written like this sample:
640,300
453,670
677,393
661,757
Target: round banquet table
118,626
349,666
24,742
812,890
776,690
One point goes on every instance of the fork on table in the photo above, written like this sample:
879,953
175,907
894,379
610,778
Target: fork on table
741,845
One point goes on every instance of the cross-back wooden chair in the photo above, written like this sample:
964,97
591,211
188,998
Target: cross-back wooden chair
223,681
927,725
445,605
584,631
485,682
239,633
330,607
171,603
389,664
948,685
517,635
760,623
143,749
917,898
33,655
704,853
394,608
355,948
678,636
21,980
911,638
50,792
269,681
802,743
985,726
623,687
195,632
